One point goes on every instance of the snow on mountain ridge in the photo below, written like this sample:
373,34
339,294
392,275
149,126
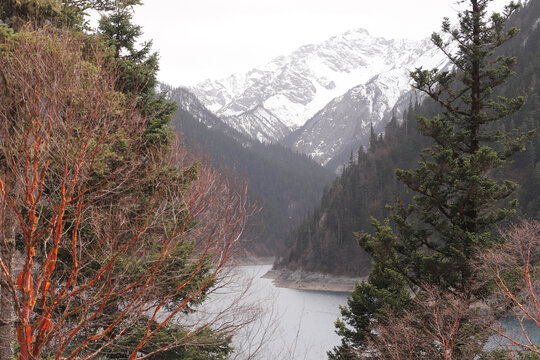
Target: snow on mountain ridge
296,86
258,123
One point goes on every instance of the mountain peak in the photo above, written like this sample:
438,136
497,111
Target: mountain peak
293,88
353,33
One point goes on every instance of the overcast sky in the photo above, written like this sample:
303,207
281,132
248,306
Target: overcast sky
200,39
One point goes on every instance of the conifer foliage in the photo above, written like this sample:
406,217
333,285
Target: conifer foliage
457,201
18,13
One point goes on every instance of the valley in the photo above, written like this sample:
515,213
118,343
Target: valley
358,195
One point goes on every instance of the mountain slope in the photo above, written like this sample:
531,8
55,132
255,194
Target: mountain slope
284,184
258,123
324,242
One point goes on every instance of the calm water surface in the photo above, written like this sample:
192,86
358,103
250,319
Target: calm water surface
297,324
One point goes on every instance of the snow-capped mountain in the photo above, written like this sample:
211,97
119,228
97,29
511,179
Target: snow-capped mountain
189,103
344,124
258,123
290,90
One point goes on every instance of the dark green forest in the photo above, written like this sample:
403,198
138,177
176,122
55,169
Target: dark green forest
325,241
282,183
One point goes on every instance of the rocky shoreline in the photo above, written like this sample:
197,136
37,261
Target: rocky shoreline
253,260
303,280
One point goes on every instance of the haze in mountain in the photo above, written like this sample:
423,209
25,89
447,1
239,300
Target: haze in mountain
270,104
323,100
212,39
283,184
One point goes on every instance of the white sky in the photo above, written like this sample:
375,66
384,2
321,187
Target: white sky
201,39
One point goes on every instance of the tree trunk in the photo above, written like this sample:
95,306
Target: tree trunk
7,313
7,309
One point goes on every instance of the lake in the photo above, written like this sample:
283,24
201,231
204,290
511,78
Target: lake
287,324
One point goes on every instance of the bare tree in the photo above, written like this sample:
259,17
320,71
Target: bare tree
103,236
441,325
514,267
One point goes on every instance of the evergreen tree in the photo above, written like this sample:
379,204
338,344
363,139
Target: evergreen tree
138,73
19,13
386,290
373,140
458,202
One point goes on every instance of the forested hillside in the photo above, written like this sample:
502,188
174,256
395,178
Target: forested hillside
284,184
325,241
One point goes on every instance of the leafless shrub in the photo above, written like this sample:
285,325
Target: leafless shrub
514,268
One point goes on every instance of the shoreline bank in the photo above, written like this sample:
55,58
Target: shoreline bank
303,280
253,260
